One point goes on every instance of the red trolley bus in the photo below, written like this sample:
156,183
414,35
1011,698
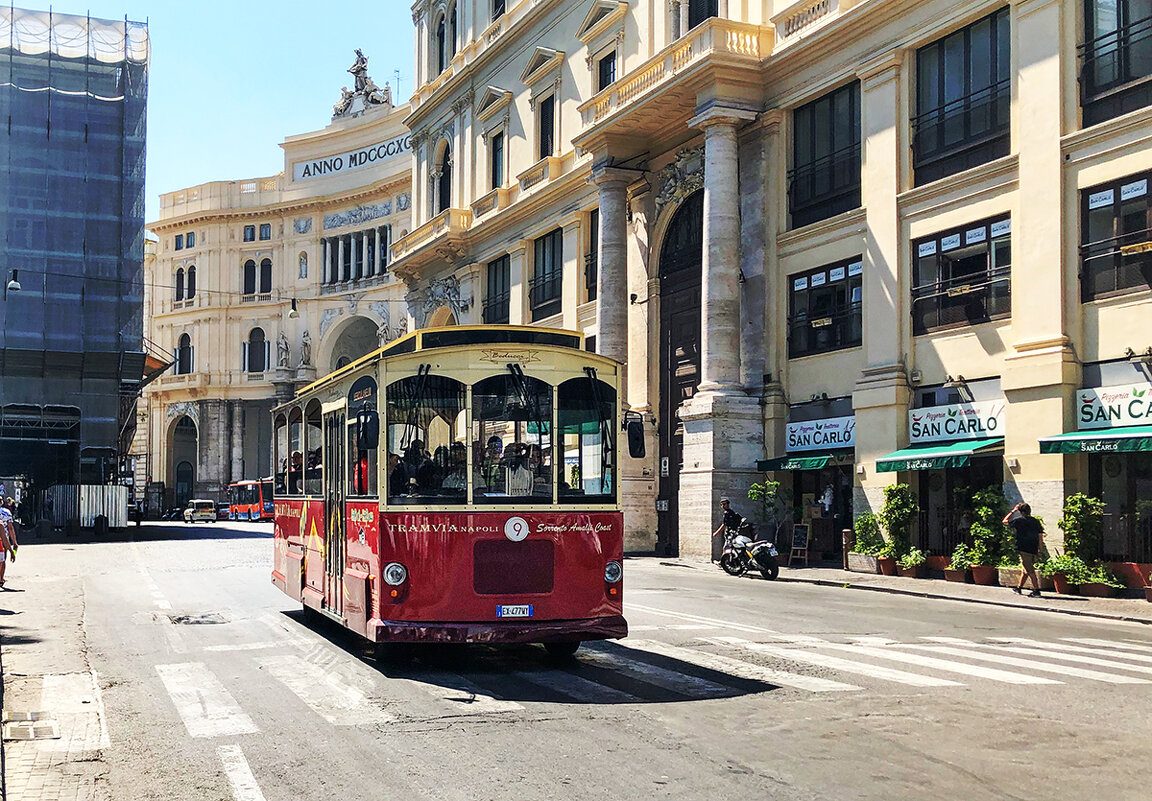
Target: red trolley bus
251,500
459,485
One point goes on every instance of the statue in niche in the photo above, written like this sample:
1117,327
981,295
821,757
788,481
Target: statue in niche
305,349
303,265
383,334
282,353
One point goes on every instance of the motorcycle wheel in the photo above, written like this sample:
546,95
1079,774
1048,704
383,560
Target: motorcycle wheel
731,565
770,572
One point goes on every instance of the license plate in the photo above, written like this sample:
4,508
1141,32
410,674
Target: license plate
516,610
773,551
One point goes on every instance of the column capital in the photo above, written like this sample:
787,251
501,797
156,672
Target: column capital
717,115
881,69
603,176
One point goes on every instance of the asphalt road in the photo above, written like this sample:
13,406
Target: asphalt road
209,684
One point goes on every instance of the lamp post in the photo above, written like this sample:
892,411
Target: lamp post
13,284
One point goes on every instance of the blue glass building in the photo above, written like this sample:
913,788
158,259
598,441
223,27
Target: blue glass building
73,96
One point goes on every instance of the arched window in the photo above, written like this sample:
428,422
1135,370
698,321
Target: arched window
250,277
444,183
265,276
452,33
180,285
256,352
191,293
683,249
441,47
184,355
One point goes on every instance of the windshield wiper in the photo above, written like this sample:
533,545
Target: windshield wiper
414,409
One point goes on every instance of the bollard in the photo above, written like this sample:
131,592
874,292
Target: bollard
846,535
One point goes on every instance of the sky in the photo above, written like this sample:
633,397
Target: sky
228,81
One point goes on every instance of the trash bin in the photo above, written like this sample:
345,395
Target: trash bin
100,524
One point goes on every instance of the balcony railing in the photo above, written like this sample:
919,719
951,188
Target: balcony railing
544,294
452,222
716,36
811,334
825,187
962,301
962,133
1116,265
497,308
1116,71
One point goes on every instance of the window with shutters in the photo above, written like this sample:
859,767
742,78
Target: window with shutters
249,277
497,298
547,275
256,352
546,126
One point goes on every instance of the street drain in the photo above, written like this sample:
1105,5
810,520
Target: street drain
30,726
212,618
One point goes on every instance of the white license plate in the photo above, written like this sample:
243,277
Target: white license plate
516,610
773,551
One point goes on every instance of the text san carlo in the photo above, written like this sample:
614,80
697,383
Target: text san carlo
979,420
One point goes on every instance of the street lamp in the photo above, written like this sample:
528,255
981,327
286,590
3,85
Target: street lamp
292,313
13,284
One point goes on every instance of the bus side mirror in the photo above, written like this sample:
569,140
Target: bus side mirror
634,426
367,430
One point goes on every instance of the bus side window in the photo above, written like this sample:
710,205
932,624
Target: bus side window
587,414
314,447
512,435
280,458
296,449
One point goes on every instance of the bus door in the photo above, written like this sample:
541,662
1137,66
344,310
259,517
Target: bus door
335,432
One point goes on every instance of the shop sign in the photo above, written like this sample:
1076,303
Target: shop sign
1113,407
979,420
818,435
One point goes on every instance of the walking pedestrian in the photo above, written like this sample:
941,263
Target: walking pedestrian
1029,534
7,538
10,505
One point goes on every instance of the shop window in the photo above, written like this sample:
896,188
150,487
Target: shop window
256,355
962,277
313,450
1115,58
606,71
963,99
190,292
249,233
427,440
296,452
179,285
250,277
585,412
512,437
497,299
701,10
825,309
179,241
1116,238
547,276
825,176
592,258
280,455
265,276
546,126
185,361
496,159
265,231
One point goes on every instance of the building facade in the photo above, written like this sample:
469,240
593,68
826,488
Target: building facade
73,96
852,244
261,285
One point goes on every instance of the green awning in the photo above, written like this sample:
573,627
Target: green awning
1104,440
938,456
794,463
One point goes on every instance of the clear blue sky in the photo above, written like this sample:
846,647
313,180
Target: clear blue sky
230,80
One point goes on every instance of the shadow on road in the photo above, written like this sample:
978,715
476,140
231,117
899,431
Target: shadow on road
160,531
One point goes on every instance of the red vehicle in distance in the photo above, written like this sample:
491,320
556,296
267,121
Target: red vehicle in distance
251,500
459,485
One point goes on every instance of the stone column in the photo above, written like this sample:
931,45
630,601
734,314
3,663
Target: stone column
374,267
720,287
684,19
573,265
365,269
324,269
238,441
341,267
612,278
517,282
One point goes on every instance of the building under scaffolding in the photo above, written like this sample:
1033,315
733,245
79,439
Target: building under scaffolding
72,356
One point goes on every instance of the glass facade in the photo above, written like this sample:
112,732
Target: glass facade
72,218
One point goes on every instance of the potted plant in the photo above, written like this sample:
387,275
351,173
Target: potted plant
1083,525
913,564
1099,582
896,516
886,559
958,568
862,557
991,540
1009,571
1066,572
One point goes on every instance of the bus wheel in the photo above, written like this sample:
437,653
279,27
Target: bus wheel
561,650
393,653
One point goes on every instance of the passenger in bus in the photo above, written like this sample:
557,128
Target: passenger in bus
397,476
517,475
456,477
295,473
541,475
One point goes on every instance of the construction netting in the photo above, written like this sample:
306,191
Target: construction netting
71,36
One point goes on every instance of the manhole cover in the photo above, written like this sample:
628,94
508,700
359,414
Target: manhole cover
211,618
30,726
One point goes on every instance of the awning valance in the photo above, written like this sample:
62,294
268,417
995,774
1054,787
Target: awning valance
938,456
805,461
1105,440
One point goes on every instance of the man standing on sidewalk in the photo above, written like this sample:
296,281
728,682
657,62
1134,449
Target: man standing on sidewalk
1029,532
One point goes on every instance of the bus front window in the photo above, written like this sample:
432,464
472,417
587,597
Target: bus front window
587,410
296,449
427,459
512,439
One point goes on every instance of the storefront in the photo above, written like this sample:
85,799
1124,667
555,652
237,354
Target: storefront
954,451
1114,436
816,476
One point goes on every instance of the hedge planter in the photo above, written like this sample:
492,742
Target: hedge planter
1062,585
986,575
1093,589
887,565
916,571
961,576
862,563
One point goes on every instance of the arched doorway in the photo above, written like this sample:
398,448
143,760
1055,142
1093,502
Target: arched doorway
184,453
358,337
681,266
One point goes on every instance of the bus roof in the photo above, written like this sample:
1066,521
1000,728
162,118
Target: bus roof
457,336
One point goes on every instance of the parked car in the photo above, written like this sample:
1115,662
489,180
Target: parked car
223,511
199,509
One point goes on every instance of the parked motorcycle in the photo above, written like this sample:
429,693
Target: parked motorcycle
742,552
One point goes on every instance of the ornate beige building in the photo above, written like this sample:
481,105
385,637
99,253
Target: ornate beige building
856,242
258,286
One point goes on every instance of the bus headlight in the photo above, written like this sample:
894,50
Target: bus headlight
613,572
395,574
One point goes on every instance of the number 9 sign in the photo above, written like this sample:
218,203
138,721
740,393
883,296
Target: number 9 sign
516,529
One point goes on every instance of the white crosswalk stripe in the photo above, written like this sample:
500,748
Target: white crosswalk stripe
711,621
464,697
579,688
334,697
1077,649
807,656
1120,646
682,683
203,703
948,666
1060,652
244,786
1044,667
742,669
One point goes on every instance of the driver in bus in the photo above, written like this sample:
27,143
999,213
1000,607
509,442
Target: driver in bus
517,474
295,473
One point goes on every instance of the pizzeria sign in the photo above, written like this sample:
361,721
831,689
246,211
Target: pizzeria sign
1113,407
961,421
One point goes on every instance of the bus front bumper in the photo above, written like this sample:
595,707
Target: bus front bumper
520,631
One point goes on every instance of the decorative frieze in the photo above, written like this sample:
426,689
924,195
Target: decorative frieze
358,215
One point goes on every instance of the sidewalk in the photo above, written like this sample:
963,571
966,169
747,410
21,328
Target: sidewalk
1136,610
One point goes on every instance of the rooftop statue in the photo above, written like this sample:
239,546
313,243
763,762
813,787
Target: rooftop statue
364,92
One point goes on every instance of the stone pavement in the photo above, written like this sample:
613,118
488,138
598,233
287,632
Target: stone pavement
1136,610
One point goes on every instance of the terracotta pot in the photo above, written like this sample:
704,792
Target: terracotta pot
1062,585
1094,589
887,565
986,575
916,571
862,563
960,576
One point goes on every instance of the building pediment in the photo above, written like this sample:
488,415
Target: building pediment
491,102
601,17
541,63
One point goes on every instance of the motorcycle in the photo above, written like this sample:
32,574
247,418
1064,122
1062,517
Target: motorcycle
742,552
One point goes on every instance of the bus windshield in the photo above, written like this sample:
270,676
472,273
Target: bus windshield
512,439
427,455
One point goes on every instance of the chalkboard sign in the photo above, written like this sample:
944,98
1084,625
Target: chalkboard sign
800,536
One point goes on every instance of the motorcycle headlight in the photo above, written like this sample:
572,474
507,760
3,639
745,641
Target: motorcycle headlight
395,574
613,572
